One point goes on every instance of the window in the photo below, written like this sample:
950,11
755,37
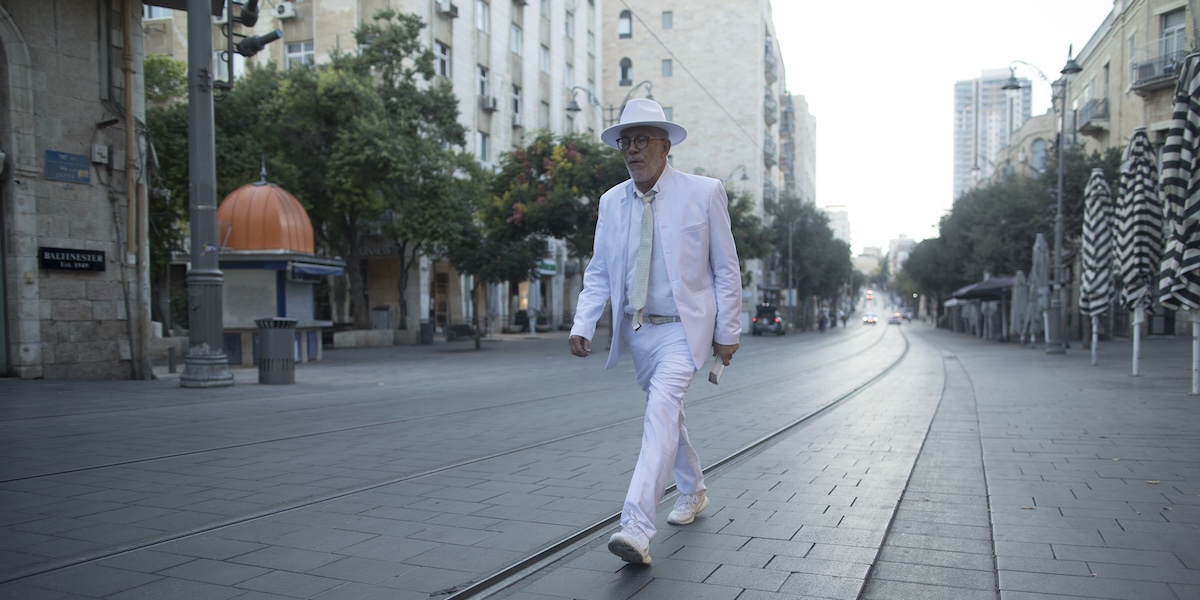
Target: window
298,53
516,99
544,115
481,73
221,67
569,75
545,59
591,43
666,67
545,8
626,72
1037,158
667,19
1174,40
482,16
569,23
155,12
518,40
625,25
441,56
483,147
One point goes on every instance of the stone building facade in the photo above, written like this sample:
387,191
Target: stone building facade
73,267
715,66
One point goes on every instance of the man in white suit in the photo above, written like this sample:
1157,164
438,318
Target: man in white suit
685,308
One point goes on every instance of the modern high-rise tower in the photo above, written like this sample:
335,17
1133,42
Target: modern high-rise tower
984,116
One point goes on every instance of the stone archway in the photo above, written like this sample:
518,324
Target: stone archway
20,338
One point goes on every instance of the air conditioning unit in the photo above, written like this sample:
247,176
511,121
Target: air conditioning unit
517,122
447,9
285,10
488,103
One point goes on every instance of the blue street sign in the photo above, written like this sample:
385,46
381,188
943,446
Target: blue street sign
64,166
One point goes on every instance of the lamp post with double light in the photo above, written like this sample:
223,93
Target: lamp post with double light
613,113
1054,334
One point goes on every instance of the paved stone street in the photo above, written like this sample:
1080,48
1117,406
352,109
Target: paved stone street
951,468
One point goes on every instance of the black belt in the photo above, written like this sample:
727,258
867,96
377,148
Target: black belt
657,319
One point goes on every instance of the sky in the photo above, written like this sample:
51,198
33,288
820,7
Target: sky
879,78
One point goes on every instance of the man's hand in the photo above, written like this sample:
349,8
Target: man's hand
581,346
725,352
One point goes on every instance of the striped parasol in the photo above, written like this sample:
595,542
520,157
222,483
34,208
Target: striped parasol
1095,289
1139,231
1180,275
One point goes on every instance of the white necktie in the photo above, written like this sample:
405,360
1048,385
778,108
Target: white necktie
641,273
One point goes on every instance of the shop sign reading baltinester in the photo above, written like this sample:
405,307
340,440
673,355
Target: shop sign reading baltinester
71,260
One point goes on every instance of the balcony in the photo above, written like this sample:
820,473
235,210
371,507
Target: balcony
770,151
1156,73
770,108
769,192
1093,118
771,71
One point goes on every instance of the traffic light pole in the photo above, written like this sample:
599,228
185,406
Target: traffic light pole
206,364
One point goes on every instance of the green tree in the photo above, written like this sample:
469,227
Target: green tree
552,187
748,234
367,142
165,80
166,124
993,228
424,188
813,261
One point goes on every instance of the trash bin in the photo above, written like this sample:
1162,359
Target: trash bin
426,333
276,350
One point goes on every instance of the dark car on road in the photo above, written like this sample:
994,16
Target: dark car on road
766,320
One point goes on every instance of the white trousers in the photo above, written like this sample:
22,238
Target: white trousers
664,370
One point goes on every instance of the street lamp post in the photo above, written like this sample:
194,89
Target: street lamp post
742,168
614,112
1054,334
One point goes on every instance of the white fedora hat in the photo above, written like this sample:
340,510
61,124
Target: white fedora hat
643,111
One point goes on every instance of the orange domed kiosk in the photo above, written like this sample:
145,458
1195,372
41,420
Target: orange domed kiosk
266,254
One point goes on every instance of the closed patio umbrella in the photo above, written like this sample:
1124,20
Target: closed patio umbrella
1180,274
1095,289
1039,290
1018,305
1139,233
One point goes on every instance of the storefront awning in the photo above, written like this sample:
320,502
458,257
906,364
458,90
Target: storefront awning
311,270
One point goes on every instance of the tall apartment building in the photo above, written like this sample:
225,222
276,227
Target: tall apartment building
715,67
514,65
839,222
984,115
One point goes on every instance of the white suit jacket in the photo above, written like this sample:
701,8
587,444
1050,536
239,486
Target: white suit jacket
692,219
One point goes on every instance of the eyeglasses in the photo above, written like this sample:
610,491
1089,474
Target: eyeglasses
640,142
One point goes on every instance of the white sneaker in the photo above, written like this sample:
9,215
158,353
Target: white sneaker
631,544
686,508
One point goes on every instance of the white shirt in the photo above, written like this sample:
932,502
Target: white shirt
659,300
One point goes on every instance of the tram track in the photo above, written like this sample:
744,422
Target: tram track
491,581
389,422
516,572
